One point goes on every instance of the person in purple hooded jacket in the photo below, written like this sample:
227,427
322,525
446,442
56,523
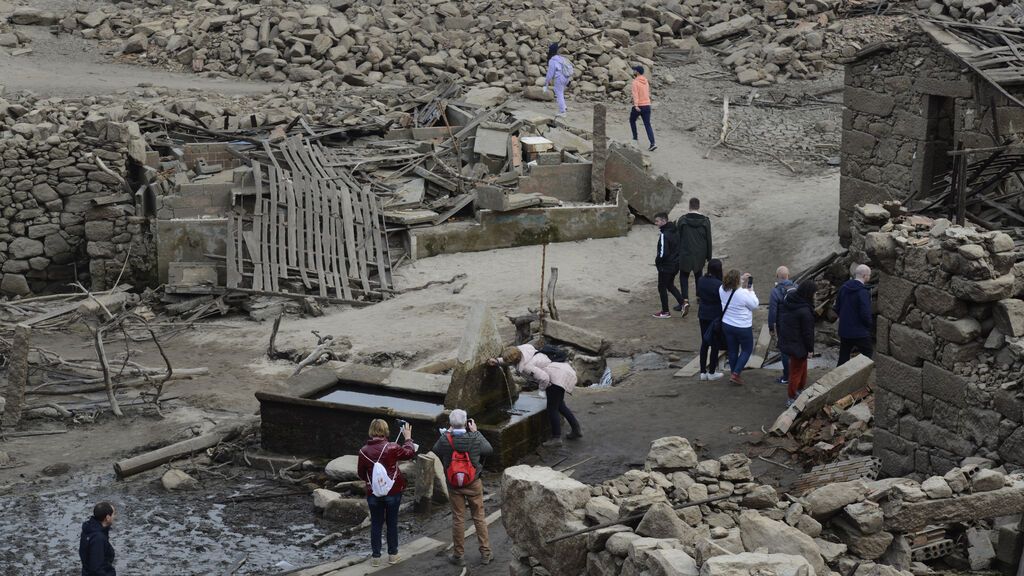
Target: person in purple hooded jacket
560,73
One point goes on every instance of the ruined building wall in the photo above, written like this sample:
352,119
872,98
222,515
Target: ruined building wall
61,217
950,342
904,109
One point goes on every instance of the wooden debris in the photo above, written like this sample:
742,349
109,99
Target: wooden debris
149,460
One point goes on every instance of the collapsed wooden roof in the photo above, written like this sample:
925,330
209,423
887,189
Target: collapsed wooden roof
994,53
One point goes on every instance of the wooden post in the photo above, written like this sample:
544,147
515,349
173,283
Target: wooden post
552,307
17,376
960,187
543,262
600,155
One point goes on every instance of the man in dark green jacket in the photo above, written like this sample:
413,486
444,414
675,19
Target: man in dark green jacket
463,436
694,231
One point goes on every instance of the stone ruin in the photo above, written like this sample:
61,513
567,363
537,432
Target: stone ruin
861,527
950,341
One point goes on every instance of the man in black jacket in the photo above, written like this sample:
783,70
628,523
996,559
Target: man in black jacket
694,231
666,260
464,437
94,547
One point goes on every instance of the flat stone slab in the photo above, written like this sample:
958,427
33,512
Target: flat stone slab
908,516
578,337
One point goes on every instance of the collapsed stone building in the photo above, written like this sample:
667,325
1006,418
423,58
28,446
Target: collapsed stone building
930,195
911,101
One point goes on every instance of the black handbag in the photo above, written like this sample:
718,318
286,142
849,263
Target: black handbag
714,333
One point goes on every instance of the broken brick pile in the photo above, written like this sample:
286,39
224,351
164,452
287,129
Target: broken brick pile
950,341
876,523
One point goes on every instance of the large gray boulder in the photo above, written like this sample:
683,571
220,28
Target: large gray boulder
749,563
831,498
539,504
776,537
670,453
661,521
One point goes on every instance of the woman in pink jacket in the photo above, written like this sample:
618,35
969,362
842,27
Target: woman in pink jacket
555,379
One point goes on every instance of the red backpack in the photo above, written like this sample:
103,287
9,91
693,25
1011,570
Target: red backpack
460,472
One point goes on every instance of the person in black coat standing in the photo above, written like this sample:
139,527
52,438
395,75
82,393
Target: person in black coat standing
666,259
709,308
94,547
796,334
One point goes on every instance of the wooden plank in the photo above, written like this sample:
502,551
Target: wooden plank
348,225
381,243
422,545
256,246
330,258
233,275
361,236
300,227
339,242
275,264
318,236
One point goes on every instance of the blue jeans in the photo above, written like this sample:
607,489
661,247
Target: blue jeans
785,366
740,343
384,508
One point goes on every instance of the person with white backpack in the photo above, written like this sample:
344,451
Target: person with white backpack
560,72
378,467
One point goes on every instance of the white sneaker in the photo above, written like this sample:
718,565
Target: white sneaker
715,375
703,376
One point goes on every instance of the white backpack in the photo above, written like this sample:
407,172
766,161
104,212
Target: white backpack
380,482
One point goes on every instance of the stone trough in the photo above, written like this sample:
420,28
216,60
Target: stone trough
326,411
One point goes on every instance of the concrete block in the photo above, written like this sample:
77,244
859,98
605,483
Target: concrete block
188,240
838,383
647,195
491,142
578,337
567,182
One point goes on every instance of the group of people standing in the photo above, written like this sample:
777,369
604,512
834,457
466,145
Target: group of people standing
727,301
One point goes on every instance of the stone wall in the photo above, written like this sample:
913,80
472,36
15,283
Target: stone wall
950,341
893,108
63,217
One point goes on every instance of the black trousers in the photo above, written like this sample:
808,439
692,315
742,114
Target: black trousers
666,284
557,409
684,281
645,114
848,345
708,364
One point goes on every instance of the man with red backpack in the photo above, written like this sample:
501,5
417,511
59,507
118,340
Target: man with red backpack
460,449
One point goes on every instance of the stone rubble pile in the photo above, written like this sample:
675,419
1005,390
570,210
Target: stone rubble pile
482,44
950,342
828,530
990,12
12,39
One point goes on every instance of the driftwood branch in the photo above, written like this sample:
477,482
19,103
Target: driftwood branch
170,372
552,307
316,354
108,383
725,126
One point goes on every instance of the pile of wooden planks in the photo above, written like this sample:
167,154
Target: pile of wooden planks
308,222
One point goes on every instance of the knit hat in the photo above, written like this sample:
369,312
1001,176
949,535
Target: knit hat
553,49
638,69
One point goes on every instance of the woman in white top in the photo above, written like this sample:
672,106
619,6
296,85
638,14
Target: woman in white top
738,305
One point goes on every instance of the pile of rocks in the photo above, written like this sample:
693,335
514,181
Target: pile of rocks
12,39
831,528
416,42
990,12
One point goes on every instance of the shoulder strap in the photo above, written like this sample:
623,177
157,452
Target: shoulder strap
727,302
382,450
451,441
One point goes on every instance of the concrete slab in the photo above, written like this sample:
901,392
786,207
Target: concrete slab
567,182
391,378
190,240
838,383
408,194
491,142
909,516
565,140
574,335
764,340
647,195
500,200
527,227
410,217
475,386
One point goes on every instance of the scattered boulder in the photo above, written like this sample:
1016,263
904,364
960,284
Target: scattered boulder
671,453
175,479
749,563
776,537
830,498
347,511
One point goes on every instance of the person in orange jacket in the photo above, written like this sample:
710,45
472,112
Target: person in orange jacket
641,106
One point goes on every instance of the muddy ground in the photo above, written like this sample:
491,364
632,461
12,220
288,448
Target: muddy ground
763,215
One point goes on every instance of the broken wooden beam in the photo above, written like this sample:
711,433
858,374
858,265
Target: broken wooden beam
17,376
149,460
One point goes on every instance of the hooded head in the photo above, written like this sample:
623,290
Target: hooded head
806,290
553,49
638,70
715,268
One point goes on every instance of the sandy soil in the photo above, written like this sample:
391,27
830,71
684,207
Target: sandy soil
761,218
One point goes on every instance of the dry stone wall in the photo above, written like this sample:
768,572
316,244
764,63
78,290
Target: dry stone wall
950,341
64,218
890,123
